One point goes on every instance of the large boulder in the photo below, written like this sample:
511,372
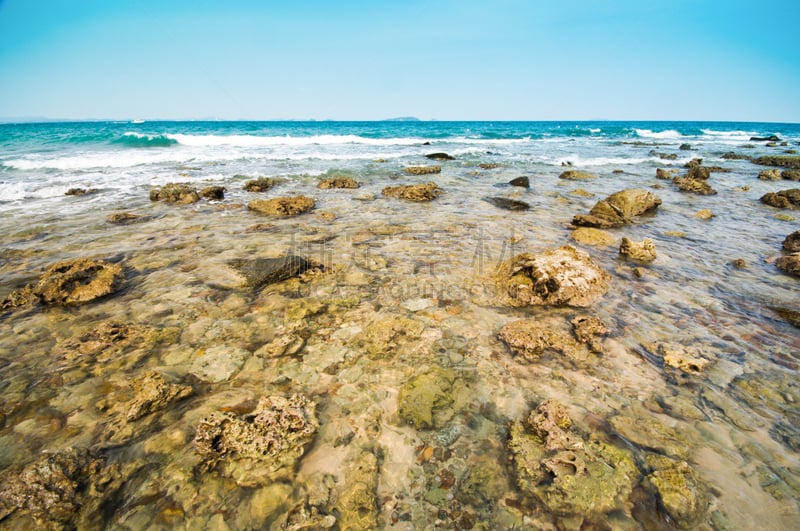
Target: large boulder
177,193
413,192
522,182
783,199
790,175
282,206
619,209
563,276
78,281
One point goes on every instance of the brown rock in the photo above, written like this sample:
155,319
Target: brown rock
178,193
439,156
644,251
792,242
783,199
17,298
422,170
80,191
522,182
790,175
262,184
618,209
770,175
592,236
153,393
413,192
666,175
216,193
575,175
785,161
282,206
530,339
338,182
125,218
698,172
489,165
78,281
696,186
789,264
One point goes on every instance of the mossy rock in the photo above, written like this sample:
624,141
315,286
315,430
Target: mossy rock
428,400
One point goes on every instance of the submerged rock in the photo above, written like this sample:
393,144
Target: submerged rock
78,281
125,218
215,193
644,251
258,272
792,242
682,495
80,191
282,206
736,156
422,170
590,331
643,430
563,276
769,175
789,264
386,335
413,192
261,184
507,204
783,199
217,364
619,209
592,236
178,193
439,156
426,400
489,165
522,182
110,340
338,182
357,504
153,393
530,339
791,316
571,476
259,447
576,175
686,359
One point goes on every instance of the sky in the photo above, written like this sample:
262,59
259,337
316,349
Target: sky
727,60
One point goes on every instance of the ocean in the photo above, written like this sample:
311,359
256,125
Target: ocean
683,415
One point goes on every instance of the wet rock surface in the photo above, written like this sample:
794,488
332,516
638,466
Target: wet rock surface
786,161
80,191
783,199
770,175
258,272
259,447
261,184
792,242
789,264
592,236
213,193
643,251
684,498
177,193
282,206
530,339
426,401
439,156
522,182
576,175
507,204
413,192
338,182
422,170
125,218
619,209
562,276
78,281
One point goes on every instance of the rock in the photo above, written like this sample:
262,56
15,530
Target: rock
80,191
575,175
522,182
704,214
783,199
619,209
178,193
694,163
78,281
507,204
736,156
217,364
790,175
685,147
590,331
645,431
413,192
563,276
696,186
592,236
686,359
439,156
770,175
644,251
569,475
258,272
153,393
790,316
789,264
682,495
17,298
530,339
262,184
739,263
260,447
287,344
422,170
213,193
489,165
700,173
770,138
260,227
282,206
785,161
358,500
110,341
426,400
338,182
665,174
792,242
125,218
580,192
387,335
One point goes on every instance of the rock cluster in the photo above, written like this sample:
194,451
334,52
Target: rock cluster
695,181
785,161
618,209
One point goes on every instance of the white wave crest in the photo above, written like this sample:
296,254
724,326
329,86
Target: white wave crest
578,162
647,133
318,140
739,136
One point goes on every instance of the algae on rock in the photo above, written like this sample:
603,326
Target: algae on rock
430,399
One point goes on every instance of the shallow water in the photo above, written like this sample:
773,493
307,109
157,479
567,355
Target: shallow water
387,258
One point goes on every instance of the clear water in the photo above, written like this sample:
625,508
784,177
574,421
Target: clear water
424,261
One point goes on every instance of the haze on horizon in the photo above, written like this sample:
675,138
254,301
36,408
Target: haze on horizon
359,60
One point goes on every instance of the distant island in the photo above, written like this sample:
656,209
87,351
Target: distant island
403,119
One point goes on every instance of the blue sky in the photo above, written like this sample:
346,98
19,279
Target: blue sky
365,60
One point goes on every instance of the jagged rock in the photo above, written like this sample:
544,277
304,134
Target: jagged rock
790,316
257,272
426,400
569,475
507,204
422,170
563,276
78,281
153,393
530,339
696,186
413,192
792,242
783,199
178,193
125,218
694,163
592,236
17,298
439,156
665,174
522,182
358,500
80,191
770,175
215,193
790,175
618,209
785,161
644,251
789,264
261,184
576,175
663,156
338,182
680,492
217,364
287,344
259,447
282,206
700,173
590,331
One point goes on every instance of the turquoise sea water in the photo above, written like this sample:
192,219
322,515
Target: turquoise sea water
734,425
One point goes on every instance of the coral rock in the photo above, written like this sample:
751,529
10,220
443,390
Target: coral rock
78,281
282,206
413,192
178,193
644,251
338,182
422,170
